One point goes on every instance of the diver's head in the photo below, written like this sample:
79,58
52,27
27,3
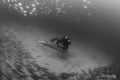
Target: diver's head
67,39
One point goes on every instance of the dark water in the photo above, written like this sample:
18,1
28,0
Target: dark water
95,27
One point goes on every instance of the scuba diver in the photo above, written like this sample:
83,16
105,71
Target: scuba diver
62,43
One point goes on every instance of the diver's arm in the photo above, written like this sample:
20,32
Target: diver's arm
54,39
65,47
58,42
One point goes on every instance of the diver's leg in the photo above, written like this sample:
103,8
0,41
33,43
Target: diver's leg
54,39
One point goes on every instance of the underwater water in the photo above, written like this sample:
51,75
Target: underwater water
92,25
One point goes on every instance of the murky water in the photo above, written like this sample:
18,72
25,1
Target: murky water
93,27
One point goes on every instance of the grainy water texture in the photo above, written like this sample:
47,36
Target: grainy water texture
92,26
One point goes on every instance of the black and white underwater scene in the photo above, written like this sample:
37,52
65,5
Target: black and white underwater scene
59,39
